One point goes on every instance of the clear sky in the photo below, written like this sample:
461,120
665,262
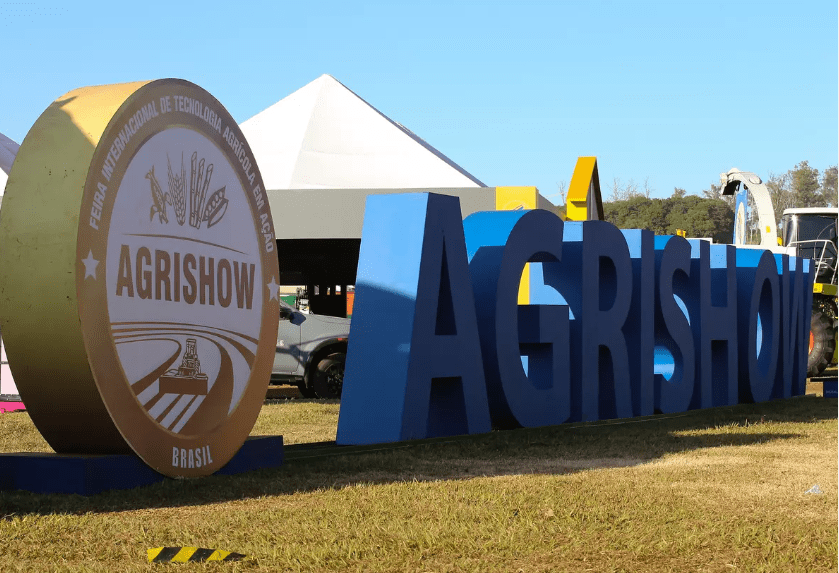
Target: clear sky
669,92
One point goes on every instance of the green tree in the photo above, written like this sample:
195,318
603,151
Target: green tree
804,183
714,192
697,216
636,213
701,217
780,190
829,186
802,187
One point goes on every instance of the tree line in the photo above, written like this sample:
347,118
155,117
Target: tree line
711,214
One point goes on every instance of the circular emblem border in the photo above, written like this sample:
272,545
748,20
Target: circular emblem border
150,441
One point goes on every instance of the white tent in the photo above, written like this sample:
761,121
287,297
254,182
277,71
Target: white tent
8,151
8,391
323,136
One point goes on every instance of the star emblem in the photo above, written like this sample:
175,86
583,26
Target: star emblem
273,290
90,265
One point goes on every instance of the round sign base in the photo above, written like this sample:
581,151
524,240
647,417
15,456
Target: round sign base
138,292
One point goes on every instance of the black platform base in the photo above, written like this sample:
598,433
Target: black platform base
92,474
828,380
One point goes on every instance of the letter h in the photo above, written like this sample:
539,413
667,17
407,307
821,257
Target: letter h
714,273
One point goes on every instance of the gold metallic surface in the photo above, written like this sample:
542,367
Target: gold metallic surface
74,343
38,303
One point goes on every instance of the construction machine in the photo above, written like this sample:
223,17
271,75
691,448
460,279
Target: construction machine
811,232
808,232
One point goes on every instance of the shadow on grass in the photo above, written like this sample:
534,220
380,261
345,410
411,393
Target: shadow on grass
559,450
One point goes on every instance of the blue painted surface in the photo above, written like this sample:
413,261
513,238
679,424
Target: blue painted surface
620,323
413,365
642,315
499,245
664,364
757,296
92,474
799,383
782,385
713,300
607,288
740,199
673,334
794,326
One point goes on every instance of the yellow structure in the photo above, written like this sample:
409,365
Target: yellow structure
584,203
515,199
584,200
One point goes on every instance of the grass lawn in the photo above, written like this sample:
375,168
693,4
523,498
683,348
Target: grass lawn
714,490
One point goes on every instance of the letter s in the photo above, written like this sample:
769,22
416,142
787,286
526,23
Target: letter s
672,327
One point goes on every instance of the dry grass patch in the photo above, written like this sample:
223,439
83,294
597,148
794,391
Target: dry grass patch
716,490
309,420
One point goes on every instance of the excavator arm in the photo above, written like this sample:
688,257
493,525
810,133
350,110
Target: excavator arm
731,182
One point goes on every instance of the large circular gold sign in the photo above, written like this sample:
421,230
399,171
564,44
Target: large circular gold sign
175,277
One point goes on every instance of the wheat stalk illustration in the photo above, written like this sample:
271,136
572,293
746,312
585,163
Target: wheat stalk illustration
159,200
176,191
193,209
199,182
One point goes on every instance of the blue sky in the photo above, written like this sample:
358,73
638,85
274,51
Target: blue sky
671,93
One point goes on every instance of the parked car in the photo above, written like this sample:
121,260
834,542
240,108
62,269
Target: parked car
311,352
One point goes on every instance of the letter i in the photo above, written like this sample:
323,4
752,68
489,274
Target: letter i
177,266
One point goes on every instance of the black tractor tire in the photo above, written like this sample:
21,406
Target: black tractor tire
305,390
822,343
328,378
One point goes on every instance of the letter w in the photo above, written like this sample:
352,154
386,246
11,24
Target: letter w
244,284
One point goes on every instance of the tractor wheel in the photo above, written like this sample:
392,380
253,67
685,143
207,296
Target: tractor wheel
305,390
822,343
329,376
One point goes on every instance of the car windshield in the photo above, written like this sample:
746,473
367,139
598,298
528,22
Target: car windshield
809,228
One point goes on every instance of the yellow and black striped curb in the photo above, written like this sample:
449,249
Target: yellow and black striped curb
187,554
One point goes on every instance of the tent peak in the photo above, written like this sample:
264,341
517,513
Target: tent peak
324,135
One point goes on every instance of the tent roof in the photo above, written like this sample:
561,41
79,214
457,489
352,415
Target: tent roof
323,136
8,151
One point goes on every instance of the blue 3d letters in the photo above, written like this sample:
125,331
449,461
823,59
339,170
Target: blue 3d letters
620,323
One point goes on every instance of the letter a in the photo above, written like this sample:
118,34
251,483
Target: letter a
414,365
124,280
